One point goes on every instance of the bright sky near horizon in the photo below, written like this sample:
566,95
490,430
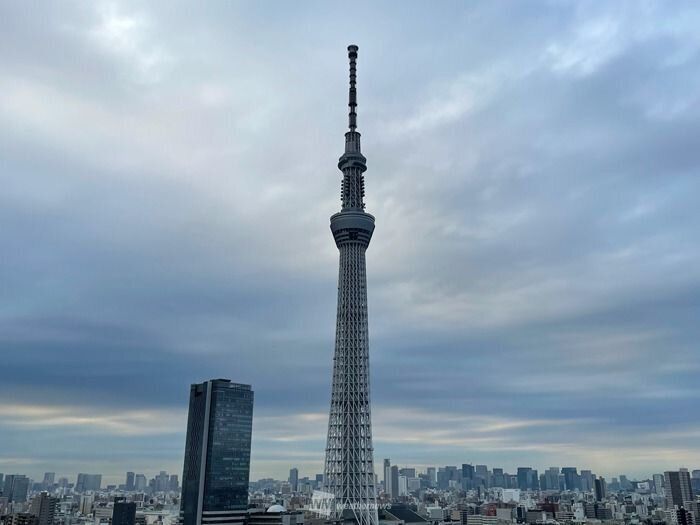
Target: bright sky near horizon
168,170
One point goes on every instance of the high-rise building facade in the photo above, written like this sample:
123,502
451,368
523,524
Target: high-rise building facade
601,488
387,477
431,472
677,488
129,482
44,508
394,481
571,478
87,482
349,465
123,513
217,453
16,488
140,482
162,481
294,479
86,501
49,479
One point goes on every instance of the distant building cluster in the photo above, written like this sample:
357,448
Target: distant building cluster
86,501
477,495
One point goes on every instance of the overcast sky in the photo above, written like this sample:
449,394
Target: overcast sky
168,171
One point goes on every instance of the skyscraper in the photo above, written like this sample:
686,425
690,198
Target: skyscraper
124,513
49,478
677,487
349,466
87,482
44,508
524,478
162,481
294,478
571,478
140,482
129,485
15,488
432,476
394,481
387,477
217,453
600,489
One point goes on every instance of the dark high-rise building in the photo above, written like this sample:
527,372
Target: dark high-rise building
394,481
349,465
130,481
173,483
524,478
387,476
468,476
586,480
498,479
49,479
677,487
88,482
431,472
217,453
44,508
140,482
624,482
409,472
162,481
15,488
467,471
294,479
600,488
124,513
571,478
481,473
551,479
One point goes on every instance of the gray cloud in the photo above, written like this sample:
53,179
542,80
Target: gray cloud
167,177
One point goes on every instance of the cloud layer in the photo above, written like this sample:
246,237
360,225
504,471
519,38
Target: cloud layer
168,174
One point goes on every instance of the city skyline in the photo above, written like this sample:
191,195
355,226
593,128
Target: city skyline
167,174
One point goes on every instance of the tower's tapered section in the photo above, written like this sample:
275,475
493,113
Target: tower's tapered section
349,468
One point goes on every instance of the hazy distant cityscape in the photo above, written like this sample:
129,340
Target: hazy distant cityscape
462,495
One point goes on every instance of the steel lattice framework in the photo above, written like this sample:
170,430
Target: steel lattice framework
349,468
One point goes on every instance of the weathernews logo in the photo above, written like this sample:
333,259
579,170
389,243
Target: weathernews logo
324,504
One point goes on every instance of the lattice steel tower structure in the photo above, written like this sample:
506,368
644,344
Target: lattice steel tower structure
349,468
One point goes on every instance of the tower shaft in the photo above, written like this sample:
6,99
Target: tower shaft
349,466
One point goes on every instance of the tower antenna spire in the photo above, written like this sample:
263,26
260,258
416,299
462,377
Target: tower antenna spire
352,102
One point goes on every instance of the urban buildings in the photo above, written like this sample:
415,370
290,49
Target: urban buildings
44,508
88,482
294,479
677,488
124,512
349,465
49,480
130,481
600,489
15,488
217,453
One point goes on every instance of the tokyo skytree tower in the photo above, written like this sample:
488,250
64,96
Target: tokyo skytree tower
349,468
